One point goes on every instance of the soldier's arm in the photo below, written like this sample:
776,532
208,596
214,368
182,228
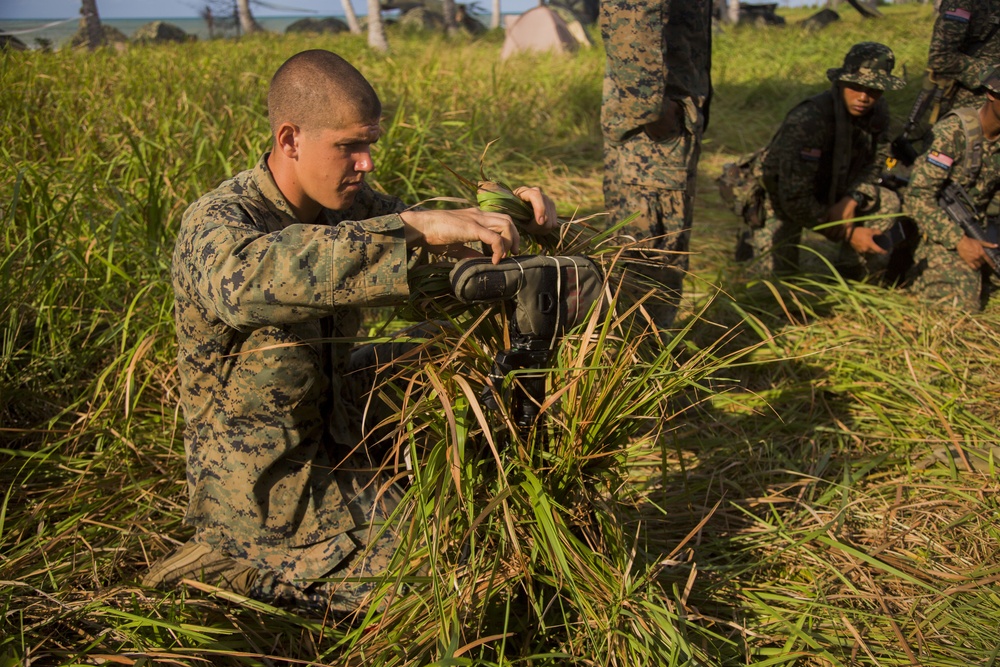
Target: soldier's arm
951,31
633,36
930,173
248,278
797,150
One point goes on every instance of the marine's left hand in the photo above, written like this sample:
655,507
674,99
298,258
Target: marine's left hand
543,207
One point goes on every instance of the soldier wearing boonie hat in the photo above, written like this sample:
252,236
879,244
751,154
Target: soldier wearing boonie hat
821,167
868,64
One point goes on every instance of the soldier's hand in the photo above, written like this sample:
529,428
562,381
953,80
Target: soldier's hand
972,253
862,239
544,208
447,232
667,125
842,210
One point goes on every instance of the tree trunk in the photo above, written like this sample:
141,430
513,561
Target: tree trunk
352,18
248,24
92,22
733,12
376,31
495,15
448,12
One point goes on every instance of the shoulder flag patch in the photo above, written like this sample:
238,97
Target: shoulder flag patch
811,154
940,160
958,14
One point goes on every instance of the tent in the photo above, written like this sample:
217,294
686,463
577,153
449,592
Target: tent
538,29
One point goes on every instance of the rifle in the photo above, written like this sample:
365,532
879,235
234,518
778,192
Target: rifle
544,297
930,98
956,203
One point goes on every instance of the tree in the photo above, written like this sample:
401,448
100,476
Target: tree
376,30
206,14
92,22
247,22
733,11
495,15
352,18
448,13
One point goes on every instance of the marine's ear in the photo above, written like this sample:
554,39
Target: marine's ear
286,139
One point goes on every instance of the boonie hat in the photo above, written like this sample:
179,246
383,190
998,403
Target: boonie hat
990,80
868,64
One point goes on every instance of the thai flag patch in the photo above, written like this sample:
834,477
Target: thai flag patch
940,160
810,154
960,15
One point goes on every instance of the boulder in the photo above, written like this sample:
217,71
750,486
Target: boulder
11,43
329,25
110,36
820,19
160,31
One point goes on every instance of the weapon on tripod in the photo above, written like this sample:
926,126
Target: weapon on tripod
544,297
956,203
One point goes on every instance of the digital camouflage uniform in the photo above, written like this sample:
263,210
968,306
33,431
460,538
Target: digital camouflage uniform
941,276
821,154
270,401
656,50
965,45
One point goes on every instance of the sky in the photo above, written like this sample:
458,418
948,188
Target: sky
141,9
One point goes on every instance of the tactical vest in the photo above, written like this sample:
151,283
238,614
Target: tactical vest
972,160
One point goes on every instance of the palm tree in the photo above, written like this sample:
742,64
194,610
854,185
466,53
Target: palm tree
495,15
206,14
248,24
92,22
448,12
376,31
352,18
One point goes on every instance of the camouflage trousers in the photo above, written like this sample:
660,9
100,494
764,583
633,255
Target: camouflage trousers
943,279
775,246
351,562
655,181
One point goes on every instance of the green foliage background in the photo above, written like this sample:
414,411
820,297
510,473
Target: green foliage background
803,475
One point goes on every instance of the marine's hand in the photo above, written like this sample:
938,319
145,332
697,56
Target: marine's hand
544,208
447,232
972,253
842,210
862,239
667,125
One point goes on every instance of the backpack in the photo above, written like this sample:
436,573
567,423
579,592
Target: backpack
741,188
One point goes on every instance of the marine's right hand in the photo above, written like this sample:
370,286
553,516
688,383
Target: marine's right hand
448,232
972,252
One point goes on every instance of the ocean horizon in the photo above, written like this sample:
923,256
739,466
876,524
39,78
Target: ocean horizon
58,33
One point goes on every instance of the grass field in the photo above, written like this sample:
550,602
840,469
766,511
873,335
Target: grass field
805,474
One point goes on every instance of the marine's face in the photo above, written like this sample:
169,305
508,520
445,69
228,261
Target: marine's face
332,163
859,100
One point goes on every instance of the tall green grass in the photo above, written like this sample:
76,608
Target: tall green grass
804,474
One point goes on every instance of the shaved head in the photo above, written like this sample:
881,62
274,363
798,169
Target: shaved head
318,89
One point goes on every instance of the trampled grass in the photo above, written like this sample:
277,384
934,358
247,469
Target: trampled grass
804,474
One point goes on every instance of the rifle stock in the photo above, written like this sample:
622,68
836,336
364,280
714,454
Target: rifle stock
956,203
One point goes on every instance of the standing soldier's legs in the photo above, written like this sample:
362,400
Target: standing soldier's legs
654,180
944,279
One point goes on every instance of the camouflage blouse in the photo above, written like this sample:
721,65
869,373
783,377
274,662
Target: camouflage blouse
965,43
656,50
801,175
944,161
265,310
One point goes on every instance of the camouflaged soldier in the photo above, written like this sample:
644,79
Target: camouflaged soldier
269,272
950,266
656,92
964,47
822,165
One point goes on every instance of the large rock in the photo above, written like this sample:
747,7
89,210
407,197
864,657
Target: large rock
820,19
110,36
160,31
761,14
11,43
327,25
